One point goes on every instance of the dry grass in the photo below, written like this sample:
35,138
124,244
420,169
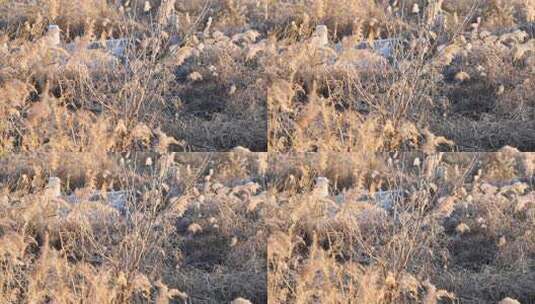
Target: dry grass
202,75
458,69
459,235
182,231
216,228
77,95
96,207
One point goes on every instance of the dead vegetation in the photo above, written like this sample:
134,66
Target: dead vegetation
459,235
391,73
95,207
212,75
298,228
184,230
113,76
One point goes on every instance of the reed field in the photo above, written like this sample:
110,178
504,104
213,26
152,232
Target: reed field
267,151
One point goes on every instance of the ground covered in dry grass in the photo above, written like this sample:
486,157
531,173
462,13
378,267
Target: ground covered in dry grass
144,76
399,75
103,101
210,75
296,228
451,228
132,229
